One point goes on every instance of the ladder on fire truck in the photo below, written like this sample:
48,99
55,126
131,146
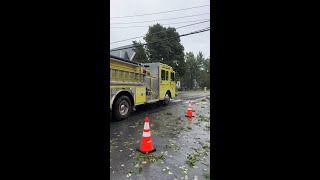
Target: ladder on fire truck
132,77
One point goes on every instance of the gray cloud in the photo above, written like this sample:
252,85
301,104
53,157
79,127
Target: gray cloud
193,43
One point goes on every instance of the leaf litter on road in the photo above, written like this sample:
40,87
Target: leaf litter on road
192,158
172,145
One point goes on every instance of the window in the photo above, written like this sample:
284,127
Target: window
167,75
172,76
163,75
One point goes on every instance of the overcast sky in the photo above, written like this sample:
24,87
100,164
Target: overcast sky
193,43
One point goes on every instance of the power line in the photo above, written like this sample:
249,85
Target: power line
160,12
195,32
161,31
163,24
162,19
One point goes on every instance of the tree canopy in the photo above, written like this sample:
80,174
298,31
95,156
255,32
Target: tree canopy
165,51
140,52
189,68
197,71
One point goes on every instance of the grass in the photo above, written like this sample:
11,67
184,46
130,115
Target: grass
188,91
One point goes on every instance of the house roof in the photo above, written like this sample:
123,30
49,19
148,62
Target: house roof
122,59
124,52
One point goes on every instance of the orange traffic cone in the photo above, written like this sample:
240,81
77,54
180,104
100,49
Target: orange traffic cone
146,141
189,111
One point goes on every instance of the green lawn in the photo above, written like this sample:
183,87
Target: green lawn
189,91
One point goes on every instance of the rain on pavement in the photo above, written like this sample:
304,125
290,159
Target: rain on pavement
182,143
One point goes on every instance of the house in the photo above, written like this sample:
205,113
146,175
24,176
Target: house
178,84
195,84
125,52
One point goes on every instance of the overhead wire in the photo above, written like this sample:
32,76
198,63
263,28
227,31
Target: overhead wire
159,32
160,12
162,19
162,24
188,34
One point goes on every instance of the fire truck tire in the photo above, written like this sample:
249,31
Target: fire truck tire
122,108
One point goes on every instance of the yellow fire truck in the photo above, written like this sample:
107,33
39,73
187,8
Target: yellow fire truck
133,84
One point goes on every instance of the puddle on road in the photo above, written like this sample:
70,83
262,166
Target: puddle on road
188,121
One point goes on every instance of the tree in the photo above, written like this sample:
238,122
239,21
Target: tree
198,69
169,51
188,67
191,70
141,55
207,69
205,74
200,60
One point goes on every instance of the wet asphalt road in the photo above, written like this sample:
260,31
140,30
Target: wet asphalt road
182,144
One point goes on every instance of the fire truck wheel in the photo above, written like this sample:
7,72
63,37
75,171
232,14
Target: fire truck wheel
122,108
166,99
